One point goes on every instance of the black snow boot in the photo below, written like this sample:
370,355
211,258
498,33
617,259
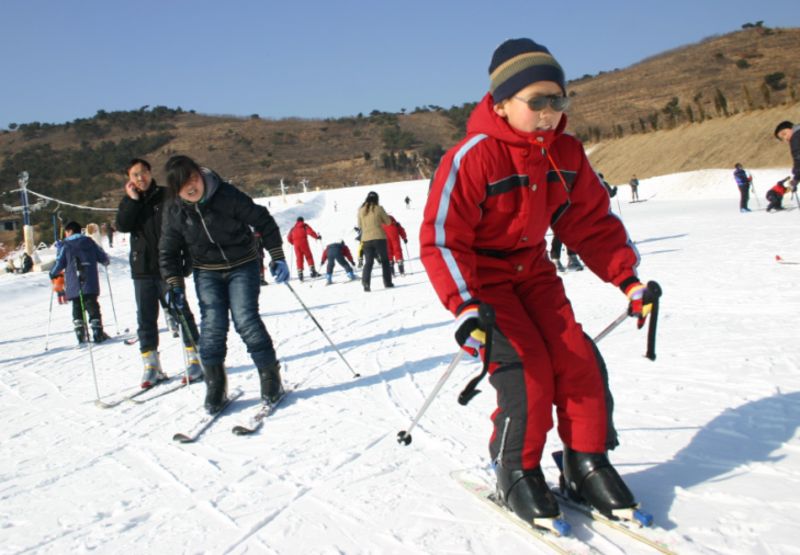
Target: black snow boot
98,335
573,264
271,387
216,387
590,478
80,330
526,493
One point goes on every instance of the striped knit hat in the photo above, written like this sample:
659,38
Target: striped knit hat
519,62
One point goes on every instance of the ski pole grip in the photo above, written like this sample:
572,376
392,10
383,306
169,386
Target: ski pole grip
486,316
654,290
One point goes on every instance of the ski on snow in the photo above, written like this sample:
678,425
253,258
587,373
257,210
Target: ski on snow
553,535
630,522
206,421
135,396
256,420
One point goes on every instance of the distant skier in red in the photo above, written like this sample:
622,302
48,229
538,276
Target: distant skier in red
298,237
394,232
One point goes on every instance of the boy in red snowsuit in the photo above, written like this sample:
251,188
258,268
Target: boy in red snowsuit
298,237
394,232
482,241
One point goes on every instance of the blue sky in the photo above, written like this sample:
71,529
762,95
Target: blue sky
62,60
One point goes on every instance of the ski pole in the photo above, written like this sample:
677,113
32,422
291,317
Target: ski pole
183,348
487,318
408,258
111,295
404,436
97,401
755,195
619,207
49,319
296,296
611,327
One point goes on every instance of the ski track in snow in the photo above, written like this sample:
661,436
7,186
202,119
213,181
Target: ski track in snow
709,439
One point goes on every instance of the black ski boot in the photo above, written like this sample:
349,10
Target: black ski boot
216,387
98,335
526,493
300,275
271,387
559,266
80,330
590,478
400,267
573,264
314,272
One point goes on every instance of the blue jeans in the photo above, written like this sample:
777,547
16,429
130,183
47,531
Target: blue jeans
235,291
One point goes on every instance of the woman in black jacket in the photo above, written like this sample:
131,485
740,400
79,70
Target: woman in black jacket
139,214
215,221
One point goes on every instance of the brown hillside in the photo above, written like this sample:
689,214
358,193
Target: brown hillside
719,143
621,97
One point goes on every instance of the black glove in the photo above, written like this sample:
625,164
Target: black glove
176,298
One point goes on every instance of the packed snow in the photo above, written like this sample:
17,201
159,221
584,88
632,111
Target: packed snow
709,430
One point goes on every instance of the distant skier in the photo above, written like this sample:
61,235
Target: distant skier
788,132
394,232
743,181
78,258
371,216
612,190
213,219
298,237
408,202
26,264
775,195
360,248
337,252
58,288
140,213
482,241
634,183
573,264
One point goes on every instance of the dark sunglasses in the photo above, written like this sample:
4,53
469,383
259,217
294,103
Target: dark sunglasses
539,103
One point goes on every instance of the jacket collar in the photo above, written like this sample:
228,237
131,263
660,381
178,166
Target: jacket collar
484,120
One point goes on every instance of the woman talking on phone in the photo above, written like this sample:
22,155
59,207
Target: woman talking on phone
139,214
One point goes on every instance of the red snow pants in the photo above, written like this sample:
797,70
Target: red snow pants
303,251
541,358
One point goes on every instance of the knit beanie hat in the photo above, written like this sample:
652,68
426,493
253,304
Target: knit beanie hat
518,63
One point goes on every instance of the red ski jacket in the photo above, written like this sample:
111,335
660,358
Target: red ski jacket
492,199
300,233
394,232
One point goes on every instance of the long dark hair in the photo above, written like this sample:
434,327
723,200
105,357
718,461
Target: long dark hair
371,201
179,170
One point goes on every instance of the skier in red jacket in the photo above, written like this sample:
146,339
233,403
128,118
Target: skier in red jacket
298,237
491,201
395,232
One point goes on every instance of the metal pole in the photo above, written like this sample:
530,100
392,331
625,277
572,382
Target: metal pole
404,436
611,327
296,296
49,319
110,294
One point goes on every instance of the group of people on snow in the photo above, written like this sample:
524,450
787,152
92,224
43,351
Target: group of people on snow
491,200
786,132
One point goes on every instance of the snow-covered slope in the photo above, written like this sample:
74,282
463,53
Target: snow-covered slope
709,430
